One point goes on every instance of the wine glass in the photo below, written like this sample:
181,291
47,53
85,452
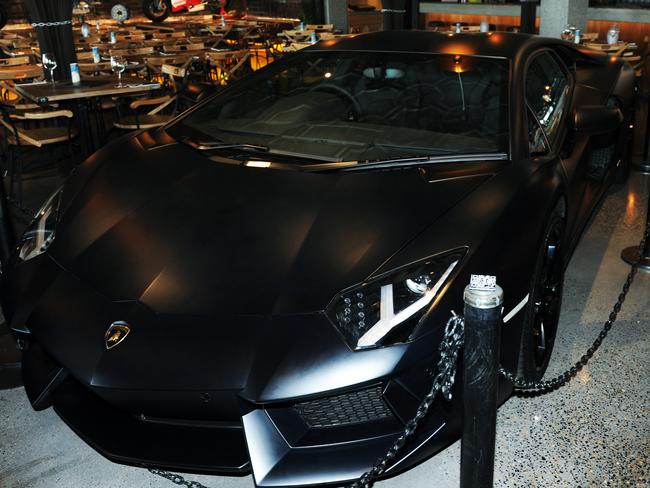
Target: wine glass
49,63
118,65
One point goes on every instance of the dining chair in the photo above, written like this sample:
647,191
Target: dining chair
31,131
12,98
15,61
175,48
228,65
151,119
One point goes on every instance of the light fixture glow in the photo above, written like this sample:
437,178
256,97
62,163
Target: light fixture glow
258,164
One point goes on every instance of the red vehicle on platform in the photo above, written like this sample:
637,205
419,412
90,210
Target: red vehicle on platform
159,10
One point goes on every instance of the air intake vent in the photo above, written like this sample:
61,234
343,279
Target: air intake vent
349,408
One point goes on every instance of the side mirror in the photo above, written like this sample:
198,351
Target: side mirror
596,119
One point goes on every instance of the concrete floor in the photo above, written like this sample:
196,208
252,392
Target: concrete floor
594,432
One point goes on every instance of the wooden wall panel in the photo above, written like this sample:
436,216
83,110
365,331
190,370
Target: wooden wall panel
501,21
630,31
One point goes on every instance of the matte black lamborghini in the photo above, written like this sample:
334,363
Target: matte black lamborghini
263,283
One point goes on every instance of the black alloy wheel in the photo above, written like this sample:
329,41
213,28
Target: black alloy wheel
157,10
544,303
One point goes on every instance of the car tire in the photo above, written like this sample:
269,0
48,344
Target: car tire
542,312
153,13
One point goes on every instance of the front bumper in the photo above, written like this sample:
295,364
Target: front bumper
275,443
134,407
192,446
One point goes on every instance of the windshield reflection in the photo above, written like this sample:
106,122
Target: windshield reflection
329,106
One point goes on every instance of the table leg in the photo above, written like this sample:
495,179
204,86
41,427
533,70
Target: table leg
99,121
83,117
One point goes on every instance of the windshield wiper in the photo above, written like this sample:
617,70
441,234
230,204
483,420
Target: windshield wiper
420,160
212,145
216,145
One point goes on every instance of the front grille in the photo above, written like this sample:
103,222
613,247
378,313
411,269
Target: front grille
349,408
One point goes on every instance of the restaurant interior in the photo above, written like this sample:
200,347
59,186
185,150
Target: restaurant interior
68,89
78,75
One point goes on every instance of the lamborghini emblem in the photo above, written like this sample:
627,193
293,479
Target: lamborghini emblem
116,333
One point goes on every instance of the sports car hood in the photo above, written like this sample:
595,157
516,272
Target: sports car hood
163,224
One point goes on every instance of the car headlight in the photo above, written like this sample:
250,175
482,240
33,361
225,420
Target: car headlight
387,309
40,233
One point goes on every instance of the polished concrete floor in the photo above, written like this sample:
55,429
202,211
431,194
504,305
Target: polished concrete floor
594,432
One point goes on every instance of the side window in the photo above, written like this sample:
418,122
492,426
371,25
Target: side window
536,139
547,95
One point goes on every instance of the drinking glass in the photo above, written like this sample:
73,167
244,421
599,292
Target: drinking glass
118,65
49,63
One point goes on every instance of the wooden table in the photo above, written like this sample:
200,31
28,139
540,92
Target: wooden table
86,97
619,47
46,92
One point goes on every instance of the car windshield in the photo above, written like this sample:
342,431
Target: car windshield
340,106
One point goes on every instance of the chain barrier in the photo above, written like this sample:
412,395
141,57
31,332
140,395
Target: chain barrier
538,388
442,383
444,380
546,386
52,24
177,479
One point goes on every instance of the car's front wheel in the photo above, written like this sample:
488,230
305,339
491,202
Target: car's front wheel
543,309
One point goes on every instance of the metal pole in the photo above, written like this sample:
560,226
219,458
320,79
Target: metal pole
483,299
7,236
630,254
10,376
528,16
413,14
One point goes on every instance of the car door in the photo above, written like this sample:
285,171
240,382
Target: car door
549,88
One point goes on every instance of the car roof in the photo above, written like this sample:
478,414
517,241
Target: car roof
507,45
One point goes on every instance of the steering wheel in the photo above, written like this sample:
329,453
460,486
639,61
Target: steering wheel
339,90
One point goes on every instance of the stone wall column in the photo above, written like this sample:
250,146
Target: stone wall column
556,14
336,12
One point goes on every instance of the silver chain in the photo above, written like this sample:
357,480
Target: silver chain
177,479
52,24
541,387
442,383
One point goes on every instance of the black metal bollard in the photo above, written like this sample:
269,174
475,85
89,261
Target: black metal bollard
630,254
7,237
483,299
